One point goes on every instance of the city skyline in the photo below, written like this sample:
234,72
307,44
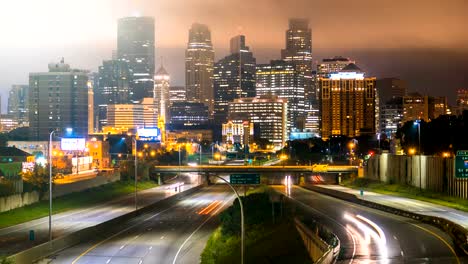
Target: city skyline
403,52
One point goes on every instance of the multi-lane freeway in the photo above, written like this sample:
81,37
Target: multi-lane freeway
372,236
15,238
176,233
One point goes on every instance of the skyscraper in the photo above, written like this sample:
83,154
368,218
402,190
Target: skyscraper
199,58
227,73
18,104
177,94
282,79
135,45
58,99
161,93
332,65
390,88
112,85
298,51
347,103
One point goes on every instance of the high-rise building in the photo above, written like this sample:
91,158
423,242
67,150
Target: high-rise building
437,106
390,88
347,103
90,108
135,45
177,94
391,115
199,59
188,114
462,101
58,99
113,83
415,106
298,51
282,79
268,113
161,93
18,104
233,77
332,65
131,116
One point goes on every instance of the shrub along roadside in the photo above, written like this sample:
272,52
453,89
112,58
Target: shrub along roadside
407,192
268,239
89,197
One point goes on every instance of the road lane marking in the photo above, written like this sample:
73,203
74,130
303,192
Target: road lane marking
440,238
198,228
118,233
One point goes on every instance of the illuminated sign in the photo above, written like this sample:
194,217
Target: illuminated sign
73,144
149,134
347,75
461,164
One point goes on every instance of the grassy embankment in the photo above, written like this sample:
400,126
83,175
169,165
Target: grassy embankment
72,201
267,240
408,192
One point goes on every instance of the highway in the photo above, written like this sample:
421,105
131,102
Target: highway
15,238
372,236
176,233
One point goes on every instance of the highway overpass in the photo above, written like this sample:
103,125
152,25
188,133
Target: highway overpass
316,168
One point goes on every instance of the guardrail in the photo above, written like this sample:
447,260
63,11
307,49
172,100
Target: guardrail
101,230
458,233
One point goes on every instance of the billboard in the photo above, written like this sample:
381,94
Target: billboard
149,134
73,144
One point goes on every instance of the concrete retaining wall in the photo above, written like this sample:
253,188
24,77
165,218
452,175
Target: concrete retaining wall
63,189
428,172
18,200
319,251
102,230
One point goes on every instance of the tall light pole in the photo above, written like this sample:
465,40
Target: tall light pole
200,149
417,122
50,184
179,161
136,172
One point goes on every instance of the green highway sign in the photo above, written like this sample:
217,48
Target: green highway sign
461,164
244,178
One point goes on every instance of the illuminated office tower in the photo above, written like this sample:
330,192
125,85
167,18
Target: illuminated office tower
298,51
233,77
282,79
186,115
131,116
347,103
415,106
177,94
199,58
161,93
58,99
462,101
135,45
113,83
18,104
268,113
332,65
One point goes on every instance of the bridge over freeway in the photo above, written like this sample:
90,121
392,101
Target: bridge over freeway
316,168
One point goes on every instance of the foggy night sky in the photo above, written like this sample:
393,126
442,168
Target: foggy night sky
422,41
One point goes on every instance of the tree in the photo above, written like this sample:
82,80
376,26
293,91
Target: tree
3,139
19,134
38,178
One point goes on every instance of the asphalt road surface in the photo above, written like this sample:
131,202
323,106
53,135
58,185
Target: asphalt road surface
15,238
372,236
174,234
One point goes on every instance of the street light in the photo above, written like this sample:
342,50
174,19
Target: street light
136,172
417,123
69,130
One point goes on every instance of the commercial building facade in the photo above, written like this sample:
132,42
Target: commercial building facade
58,99
135,45
282,79
199,59
18,104
347,103
233,77
268,112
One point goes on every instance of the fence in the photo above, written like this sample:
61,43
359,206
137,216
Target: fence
18,200
428,172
